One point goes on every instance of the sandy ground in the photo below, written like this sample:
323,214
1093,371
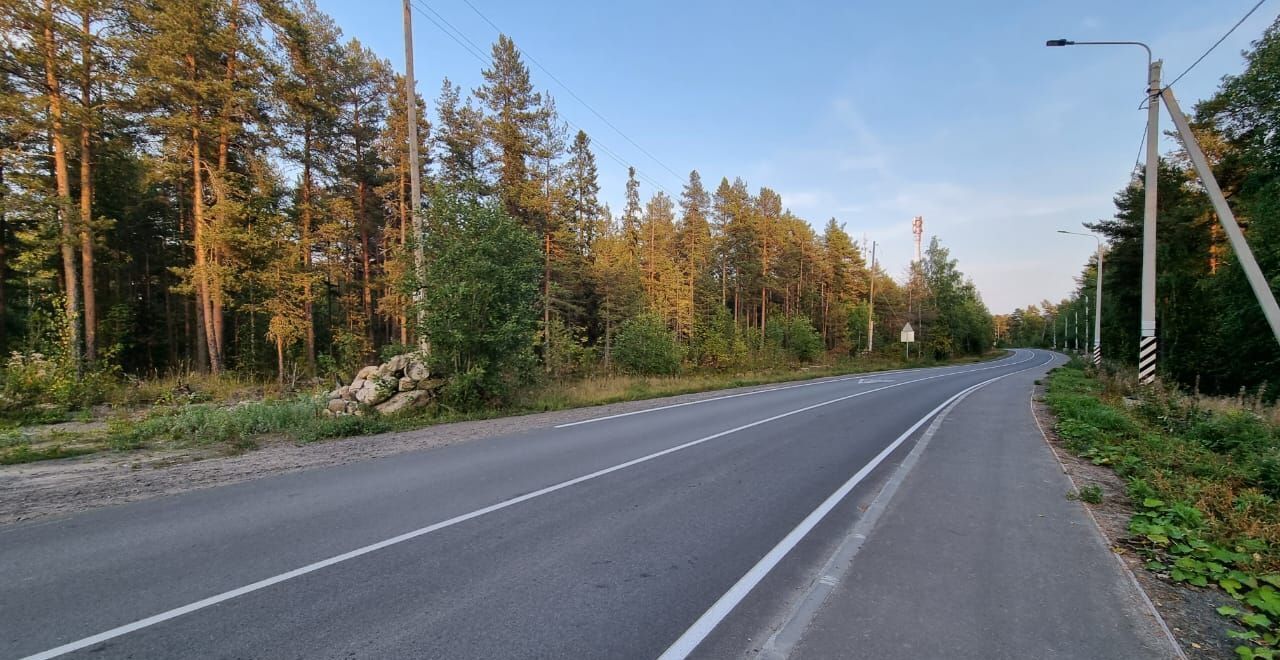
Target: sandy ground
60,487
1188,611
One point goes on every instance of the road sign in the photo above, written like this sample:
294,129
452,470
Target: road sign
908,334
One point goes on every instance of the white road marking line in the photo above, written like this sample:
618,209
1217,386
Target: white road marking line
706,623
337,559
860,378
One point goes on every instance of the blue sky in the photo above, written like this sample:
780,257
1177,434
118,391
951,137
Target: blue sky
868,112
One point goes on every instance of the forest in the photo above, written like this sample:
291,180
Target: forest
1213,336
223,186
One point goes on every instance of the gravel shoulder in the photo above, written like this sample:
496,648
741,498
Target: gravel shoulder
30,491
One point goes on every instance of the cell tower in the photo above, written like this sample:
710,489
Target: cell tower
917,228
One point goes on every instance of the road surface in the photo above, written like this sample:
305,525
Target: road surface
696,529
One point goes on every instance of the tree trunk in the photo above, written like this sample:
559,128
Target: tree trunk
62,180
546,302
280,361
366,292
86,192
216,285
201,275
204,302
404,221
305,246
4,265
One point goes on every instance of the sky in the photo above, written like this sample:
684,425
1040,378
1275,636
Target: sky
868,112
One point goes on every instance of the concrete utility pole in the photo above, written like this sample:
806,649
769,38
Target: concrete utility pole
1261,289
1086,321
1147,348
415,185
1097,298
917,228
871,303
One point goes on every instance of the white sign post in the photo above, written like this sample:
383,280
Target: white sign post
908,337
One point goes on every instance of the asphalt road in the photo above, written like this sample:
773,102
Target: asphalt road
607,539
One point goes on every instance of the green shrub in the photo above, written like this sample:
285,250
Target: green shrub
1230,432
567,355
481,306
797,336
202,424
36,388
646,347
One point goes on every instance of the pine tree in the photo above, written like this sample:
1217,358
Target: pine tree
844,282
516,112
364,80
631,215
309,40
459,142
395,193
582,192
693,240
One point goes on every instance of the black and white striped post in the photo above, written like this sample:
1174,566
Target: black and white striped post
1147,360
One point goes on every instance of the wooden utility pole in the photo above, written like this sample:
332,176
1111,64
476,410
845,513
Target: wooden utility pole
415,185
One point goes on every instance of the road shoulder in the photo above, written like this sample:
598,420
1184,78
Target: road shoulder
980,554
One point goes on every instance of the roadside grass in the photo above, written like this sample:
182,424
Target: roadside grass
601,390
1204,478
182,413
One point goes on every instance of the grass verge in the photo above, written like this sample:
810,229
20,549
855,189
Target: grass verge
1204,479
240,427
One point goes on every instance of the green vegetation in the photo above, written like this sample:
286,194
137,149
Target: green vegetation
244,167
1091,494
233,428
1213,337
646,348
1204,481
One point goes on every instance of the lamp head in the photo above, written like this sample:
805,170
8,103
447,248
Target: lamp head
1059,42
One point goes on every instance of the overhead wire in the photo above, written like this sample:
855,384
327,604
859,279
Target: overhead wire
1141,143
475,51
579,99
1215,44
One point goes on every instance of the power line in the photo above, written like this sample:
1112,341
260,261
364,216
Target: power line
1215,44
471,50
462,40
1141,143
579,98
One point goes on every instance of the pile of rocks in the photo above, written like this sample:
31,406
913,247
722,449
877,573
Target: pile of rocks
401,383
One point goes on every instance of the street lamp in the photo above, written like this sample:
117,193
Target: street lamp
1097,314
1147,346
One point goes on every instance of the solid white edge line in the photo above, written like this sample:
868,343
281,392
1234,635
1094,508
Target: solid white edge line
998,363
324,563
687,642
1104,540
